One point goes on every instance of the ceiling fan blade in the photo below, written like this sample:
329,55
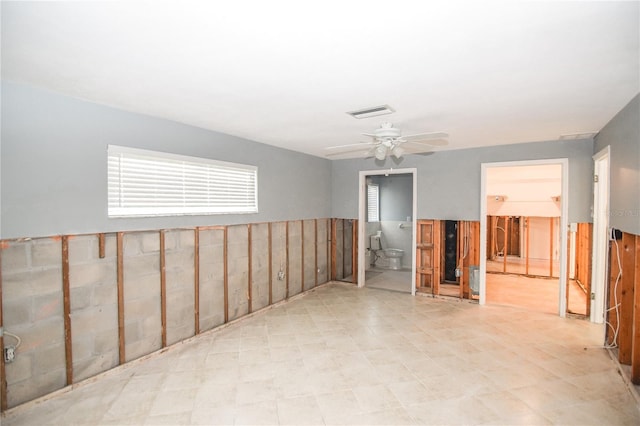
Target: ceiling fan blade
428,142
424,136
349,145
371,153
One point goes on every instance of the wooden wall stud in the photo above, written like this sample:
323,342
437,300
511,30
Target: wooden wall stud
120,257
66,307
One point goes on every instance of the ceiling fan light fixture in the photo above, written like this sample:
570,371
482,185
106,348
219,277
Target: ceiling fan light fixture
381,152
397,151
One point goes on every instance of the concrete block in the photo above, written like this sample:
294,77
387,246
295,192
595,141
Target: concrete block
295,229
238,265
20,369
25,284
46,252
94,320
82,348
104,294
142,308
81,275
80,298
143,347
211,237
95,365
47,306
35,387
238,295
260,289
132,243
211,304
182,260
132,331
180,281
48,359
106,341
138,266
210,270
186,238
83,248
46,281
177,334
16,311
15,257
110,247
152,326
171,240
41,334
141,287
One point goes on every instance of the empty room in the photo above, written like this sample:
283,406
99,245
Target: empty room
324,213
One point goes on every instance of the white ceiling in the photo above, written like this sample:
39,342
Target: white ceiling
285,72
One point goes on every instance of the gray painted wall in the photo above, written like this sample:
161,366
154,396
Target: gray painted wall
54,171
449,181
396,193
622,134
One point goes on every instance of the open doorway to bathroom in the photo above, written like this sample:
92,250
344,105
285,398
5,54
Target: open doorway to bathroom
388,236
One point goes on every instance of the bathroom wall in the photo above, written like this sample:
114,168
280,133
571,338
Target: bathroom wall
396,205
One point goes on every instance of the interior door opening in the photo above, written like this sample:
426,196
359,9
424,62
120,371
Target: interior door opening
523,249
386,230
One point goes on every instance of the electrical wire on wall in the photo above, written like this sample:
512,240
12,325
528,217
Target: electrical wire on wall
616,304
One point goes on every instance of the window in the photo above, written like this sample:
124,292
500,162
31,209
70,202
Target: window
373,203
149,183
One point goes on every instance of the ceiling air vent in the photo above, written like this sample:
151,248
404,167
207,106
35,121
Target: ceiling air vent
372,112
578,136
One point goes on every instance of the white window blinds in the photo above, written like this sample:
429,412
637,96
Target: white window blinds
373,203
149,183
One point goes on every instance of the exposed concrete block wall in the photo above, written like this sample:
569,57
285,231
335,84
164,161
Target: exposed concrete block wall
32,309
295,257
180,281
278,260
33,299
347,241
94,305
259,266
238,270
322,247
339,244
309,261
142,306
211,300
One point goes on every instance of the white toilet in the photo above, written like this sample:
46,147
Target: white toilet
395,257
392,254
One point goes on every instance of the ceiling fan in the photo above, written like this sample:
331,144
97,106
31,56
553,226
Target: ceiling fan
387,140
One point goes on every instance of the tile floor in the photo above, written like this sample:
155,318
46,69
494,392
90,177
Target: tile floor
342,355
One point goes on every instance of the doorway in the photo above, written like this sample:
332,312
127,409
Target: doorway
393,228
524,196
600,234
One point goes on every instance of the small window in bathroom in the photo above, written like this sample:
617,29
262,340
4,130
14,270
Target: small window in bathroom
373,203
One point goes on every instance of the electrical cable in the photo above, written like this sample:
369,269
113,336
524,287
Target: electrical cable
616,305
18,340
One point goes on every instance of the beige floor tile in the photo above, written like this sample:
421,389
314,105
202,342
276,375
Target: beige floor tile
262,413
303,410
342,355
173,402
375,398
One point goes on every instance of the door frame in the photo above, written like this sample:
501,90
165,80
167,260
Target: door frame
600,250
362,197
564,203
